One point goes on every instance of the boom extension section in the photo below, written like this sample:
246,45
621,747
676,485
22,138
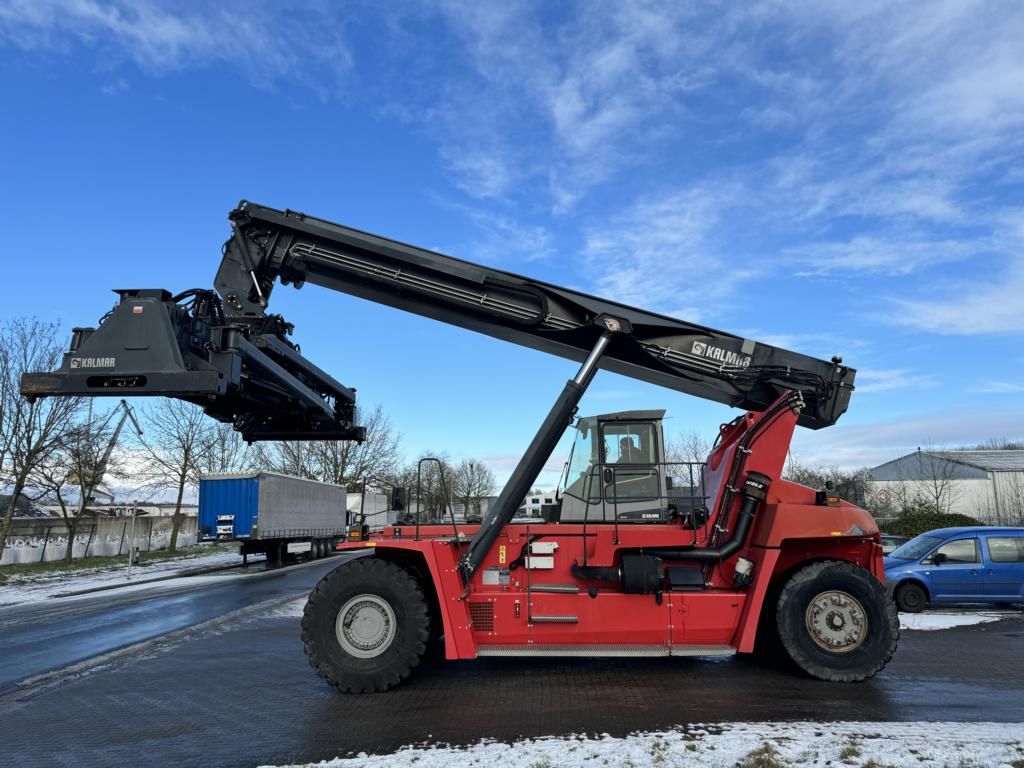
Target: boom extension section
224,352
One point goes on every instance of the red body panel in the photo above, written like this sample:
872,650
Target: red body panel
789,530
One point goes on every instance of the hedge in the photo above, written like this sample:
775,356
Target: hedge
921,522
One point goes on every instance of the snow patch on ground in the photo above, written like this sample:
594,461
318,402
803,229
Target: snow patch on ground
290,610
24,588
808,745
947,619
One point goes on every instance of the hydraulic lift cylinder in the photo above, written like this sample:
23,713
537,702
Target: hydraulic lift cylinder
525,473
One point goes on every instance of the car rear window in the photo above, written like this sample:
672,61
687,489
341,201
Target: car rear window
1006,549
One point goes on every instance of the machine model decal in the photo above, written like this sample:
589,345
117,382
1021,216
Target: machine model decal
703,349
93,362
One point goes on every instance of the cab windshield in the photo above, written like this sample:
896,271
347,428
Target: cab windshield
916,548
579,479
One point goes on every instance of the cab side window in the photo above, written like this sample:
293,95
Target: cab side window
960,551
1006,549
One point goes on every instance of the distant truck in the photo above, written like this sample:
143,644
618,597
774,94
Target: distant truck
276,515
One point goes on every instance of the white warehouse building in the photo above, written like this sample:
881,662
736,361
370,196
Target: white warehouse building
987,485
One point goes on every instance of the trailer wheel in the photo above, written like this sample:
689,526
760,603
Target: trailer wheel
837,622
365,626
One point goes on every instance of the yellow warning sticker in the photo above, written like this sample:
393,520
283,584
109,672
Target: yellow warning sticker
501,554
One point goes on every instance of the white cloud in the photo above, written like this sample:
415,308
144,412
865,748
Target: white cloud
161,37
998,388
660,254
873,254
972,308
885,380
860,445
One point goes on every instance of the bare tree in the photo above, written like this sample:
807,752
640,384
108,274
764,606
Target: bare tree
1011,497
226,451
473,481
436,480
77,467
289,457
690,446
848,484
935,485
31,430
372,461
176,449
343,462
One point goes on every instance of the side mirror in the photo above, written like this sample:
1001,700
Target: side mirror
608,476
939,558
668,482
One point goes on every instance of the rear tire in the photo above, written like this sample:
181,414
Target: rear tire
366,626
837,622
911,598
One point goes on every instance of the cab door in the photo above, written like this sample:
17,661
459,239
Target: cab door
956,572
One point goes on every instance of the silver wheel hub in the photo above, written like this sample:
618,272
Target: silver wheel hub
365,626
836,621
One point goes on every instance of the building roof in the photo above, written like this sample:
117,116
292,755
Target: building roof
993,461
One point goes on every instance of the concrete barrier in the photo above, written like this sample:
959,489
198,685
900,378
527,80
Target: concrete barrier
42,539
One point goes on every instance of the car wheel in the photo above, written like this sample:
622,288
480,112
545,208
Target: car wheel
837,622
911,598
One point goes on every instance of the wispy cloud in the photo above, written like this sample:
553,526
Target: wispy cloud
885,380
998,388
660,253
161,37
861,445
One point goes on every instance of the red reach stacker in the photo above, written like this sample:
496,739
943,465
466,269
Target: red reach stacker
640,556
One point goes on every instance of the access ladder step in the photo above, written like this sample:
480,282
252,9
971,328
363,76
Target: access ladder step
560,588
604,651
554,619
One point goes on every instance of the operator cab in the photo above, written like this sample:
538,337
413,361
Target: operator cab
618,469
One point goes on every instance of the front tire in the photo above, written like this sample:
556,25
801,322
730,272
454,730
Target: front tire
911,598
366,625
837,622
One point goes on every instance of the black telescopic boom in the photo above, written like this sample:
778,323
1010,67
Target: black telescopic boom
530,465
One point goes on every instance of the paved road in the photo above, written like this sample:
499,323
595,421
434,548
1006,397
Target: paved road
52,635
241,694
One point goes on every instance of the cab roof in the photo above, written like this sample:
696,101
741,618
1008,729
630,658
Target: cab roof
629,416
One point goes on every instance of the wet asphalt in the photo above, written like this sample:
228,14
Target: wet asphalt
42,637
240,693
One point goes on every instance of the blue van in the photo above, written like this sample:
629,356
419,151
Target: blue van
958,565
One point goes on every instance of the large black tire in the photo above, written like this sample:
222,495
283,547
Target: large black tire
366,626
911,597
837,622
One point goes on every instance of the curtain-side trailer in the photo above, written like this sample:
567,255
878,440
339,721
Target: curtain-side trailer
276,515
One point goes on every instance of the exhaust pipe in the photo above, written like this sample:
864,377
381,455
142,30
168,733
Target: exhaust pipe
755,490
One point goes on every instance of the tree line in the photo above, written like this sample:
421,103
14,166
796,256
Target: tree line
59,450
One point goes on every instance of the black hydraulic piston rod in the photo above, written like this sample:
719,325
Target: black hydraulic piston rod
544,442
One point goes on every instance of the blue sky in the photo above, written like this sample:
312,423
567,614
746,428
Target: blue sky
840,178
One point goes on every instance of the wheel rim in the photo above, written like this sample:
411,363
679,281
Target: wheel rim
836,621
365,626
